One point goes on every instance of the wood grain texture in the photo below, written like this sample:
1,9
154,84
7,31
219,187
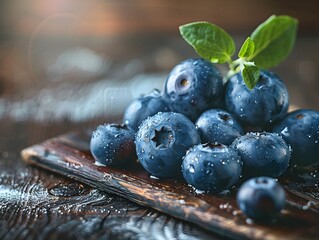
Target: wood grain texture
69,155
35,204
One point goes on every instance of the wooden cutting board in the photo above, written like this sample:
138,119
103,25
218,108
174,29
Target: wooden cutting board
69,155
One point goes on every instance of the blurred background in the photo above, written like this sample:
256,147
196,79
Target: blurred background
76,61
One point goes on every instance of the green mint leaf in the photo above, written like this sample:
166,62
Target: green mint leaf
274,40
247,49
250,74
209,41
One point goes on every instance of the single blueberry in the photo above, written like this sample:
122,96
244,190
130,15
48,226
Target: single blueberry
263,154
265,103
300,129
193,86
217,125
161,142
211,167
261,198
143,107
113,144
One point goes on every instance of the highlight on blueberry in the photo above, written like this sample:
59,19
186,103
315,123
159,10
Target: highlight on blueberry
143,107
216,125
211,167
113,144
161,142
261,198
300,129
193,86
263,154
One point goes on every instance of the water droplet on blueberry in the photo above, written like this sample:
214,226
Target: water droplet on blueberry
191,168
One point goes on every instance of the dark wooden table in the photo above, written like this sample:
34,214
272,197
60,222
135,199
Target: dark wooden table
45,94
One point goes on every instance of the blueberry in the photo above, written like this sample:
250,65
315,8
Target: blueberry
300,129
261,198
143,107
263,154
193,86
217,125
161,142
259,107
211,167
113,144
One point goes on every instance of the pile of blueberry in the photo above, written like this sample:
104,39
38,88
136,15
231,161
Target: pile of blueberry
212,133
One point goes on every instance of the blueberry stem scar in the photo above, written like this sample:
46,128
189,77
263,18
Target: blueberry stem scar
163,137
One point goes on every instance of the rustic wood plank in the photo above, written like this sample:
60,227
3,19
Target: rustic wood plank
69,155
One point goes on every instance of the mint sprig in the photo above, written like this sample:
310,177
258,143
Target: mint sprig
274,40
269,44
251,73
209,41
247,49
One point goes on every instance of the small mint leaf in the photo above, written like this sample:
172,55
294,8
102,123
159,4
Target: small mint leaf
274,40
250,74
209,41
247,49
